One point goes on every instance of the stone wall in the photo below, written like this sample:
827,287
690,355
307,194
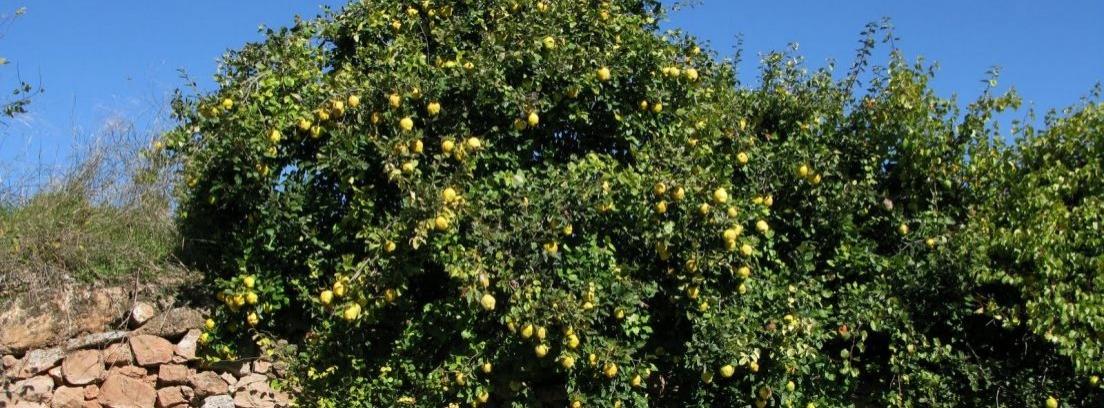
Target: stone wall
152,365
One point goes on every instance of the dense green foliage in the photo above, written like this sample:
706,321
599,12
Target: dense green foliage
550,203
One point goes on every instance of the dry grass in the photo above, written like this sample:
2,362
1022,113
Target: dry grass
104,220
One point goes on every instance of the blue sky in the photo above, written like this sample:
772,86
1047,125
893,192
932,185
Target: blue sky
104,61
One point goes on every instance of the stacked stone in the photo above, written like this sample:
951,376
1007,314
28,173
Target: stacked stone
153,365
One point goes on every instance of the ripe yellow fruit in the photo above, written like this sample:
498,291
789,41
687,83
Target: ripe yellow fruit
441,223
604,74
209,324
487,301
433,108
305,124
768,200
274,136
353,101
1093,380
636,381
568,230
790,386
816,179
742,158
541,332
474,142
727,370
704,208
707,377
731,234
803,171
744,272
394,100
352,312
691,74
227,103
753,366
326,297
407,124
389,246
486,368
533,119
576,404
249,281
720,196
746,250
619,314
762,226
447,146
540,350
567,362
764,392
903,229
742,289
610,370
549,42
315,131
322,115
657,107
238,300
679,194
572,341
692,292
592,359
527,331
449,195
251,298
483,397
930,242
252,319
551,247
661,207
1051,402
204,338
659,188
674,71
644,105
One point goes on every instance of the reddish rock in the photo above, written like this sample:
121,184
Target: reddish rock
28,404
10,361
208,383
229,378
34,389
171,397
173,323
186,347
118,354
83,367
92,404
134,372
68,397
262,367
140,313
55,374
172,374
91,392
244,382
255,395
35,362
151,350
119,391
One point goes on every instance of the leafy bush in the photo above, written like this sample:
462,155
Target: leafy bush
551,203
